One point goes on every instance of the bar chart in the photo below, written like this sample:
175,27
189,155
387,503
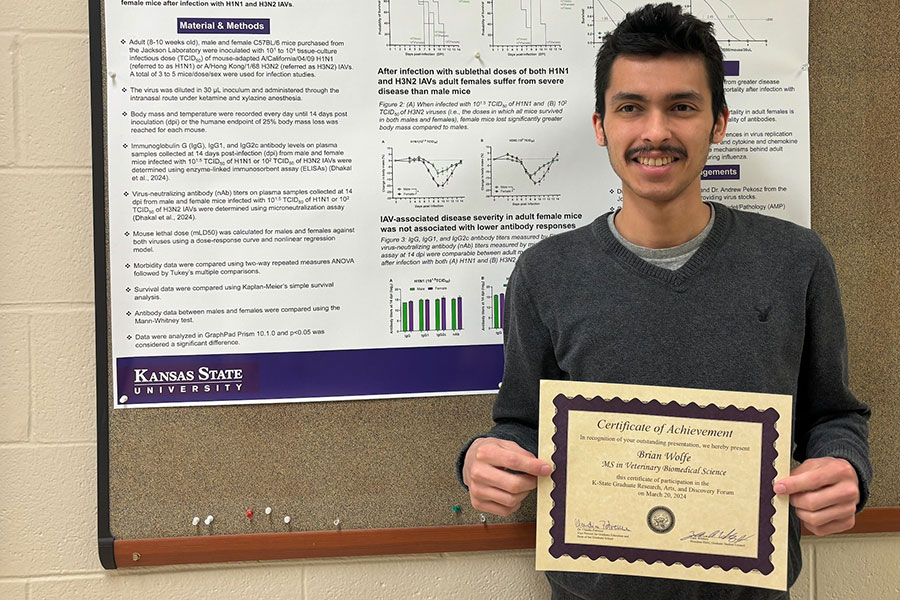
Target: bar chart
432,314
493,306
426,306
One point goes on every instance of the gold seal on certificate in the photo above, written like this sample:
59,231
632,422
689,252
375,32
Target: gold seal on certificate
664,482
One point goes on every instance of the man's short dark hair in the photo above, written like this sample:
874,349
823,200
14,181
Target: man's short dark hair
660,29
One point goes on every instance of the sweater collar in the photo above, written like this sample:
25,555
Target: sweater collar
678,278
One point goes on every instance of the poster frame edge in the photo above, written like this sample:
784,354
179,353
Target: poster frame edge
105,540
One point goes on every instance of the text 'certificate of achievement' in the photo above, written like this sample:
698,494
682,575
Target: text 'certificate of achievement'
664,482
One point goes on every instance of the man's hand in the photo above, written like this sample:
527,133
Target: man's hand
824,492
492,487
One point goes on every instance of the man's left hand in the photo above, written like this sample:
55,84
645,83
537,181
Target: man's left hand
824,492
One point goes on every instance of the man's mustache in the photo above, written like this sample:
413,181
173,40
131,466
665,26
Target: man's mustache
665,149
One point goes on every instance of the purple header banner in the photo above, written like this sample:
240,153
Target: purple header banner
236,378
721,172
234,26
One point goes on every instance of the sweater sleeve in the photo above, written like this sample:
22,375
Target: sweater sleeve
830,421
528,358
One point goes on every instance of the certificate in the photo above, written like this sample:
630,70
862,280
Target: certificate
664,482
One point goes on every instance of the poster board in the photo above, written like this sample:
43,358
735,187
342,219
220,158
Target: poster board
358,467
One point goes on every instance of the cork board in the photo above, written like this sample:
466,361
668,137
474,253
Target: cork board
372,464
854,61
390,463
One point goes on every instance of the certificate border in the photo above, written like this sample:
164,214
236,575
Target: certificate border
762,562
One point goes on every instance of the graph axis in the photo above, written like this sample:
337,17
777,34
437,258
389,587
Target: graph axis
413,46
489,178
392,185
547,45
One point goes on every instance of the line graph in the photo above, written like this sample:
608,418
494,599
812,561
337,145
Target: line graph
537,175
421,177
517,24
414,24
513,175
730,27
440,175
602,16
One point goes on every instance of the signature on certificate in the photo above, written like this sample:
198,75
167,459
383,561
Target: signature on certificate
730,538
601,525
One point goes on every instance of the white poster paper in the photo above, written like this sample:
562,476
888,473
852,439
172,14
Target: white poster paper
319,201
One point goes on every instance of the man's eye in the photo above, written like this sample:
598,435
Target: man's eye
683,107
628,108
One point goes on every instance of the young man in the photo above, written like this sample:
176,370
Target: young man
673,291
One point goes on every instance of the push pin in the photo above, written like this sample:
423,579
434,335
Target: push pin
249,513
112,75
456,508
208,520
196,521
337,523
269,510
482,518
478,55
123,399
287,520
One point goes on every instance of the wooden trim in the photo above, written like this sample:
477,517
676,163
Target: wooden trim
874,520
418,540
274,546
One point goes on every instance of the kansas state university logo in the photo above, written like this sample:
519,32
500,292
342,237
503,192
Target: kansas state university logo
202,380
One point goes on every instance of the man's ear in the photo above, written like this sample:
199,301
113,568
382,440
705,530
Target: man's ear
598,129
719,127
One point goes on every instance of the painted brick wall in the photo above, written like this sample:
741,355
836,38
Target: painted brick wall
47,456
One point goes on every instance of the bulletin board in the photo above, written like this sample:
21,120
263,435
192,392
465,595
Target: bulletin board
376,475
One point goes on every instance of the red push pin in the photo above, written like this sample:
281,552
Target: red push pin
249,513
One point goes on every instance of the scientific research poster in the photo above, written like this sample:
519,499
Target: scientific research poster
324,200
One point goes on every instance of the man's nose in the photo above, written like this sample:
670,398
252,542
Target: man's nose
656,127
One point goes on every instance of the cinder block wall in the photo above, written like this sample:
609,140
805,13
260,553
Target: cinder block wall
47,457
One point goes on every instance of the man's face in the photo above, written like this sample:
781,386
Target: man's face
658,126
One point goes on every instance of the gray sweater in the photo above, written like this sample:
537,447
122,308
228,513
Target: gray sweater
756,308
